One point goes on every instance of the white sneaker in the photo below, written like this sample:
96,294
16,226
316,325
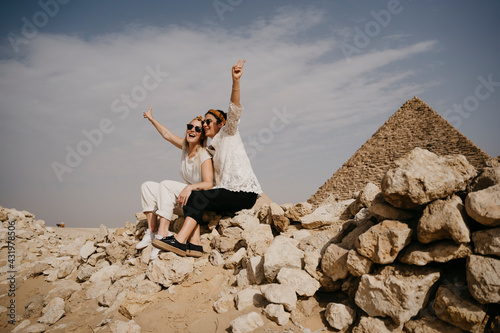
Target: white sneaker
154,253
146,240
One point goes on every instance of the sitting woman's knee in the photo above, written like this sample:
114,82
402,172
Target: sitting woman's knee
148,184
167,183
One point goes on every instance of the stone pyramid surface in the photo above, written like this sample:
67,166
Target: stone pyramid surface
415,124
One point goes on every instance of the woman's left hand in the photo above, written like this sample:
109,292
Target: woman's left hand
238,69
184,196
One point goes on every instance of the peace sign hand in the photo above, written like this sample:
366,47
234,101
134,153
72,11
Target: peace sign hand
238,70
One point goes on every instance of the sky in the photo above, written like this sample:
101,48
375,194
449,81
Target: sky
320,78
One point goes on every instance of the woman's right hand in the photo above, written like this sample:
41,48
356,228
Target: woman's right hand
148,114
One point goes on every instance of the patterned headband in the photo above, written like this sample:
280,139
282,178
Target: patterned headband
200,118
217,115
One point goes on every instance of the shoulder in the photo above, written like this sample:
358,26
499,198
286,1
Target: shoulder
204,155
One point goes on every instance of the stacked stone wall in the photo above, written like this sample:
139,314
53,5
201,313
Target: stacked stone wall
415,124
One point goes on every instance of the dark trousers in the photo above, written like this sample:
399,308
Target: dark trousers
218,200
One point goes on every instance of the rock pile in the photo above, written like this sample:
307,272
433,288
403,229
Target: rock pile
419,254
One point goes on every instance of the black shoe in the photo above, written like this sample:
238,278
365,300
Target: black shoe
194,250
171,244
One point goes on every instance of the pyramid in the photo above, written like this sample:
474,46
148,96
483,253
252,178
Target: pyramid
415,124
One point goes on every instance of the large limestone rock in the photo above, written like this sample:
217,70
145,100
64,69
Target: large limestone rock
444,219
422,176
325,215
484,206
224,304
334,262
312,265
298,210
277,313
168,272
382,242
248,297
133,304
280,294
385,211
319,241
396,292
368,194
257,239
487,241
215,258
349,241
235,260
118,251
339,316
53,311
299,280
87,250
376,325
73,248
454,307
489,176
357,264
102,234
282,253
278,219
245,221
483,278
65,269
105,273
247,323
255,270
440,251
230,237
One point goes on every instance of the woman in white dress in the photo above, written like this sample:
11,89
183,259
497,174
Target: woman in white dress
159,199
236,187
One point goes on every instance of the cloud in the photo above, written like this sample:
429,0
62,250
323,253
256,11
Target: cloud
64,86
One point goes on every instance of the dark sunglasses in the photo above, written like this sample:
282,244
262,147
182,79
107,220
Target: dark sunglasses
196,128
209,121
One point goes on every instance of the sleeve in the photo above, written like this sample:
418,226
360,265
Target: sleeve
233,119
204,155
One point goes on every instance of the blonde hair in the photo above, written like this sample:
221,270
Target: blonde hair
203,145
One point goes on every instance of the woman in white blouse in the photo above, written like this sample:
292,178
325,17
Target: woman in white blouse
236,187
159,199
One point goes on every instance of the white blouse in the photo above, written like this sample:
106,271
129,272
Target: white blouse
231,163
189,170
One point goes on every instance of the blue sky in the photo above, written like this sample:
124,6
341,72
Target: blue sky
320,78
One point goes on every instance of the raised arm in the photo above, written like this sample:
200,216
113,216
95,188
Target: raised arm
235,92
165,133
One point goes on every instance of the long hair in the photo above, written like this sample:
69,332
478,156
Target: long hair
203,145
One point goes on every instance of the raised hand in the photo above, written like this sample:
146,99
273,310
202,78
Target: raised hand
238,69
148,114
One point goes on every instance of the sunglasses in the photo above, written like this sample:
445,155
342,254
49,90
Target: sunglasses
209,121
196,128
